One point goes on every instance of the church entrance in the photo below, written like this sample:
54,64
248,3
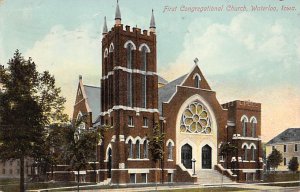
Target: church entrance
186,156
206,157
109,163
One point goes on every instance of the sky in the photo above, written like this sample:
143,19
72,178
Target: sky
244,54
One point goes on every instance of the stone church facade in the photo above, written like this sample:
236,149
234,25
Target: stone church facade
133,97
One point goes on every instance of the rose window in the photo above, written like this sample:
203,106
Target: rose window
195,119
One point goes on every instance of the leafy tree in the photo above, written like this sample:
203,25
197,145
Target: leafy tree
53,148
156,144
274,159
80,146
29,104
293,164
228,150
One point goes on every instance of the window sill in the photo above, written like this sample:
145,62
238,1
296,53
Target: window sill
252,161
145,127
131,126
221,161
245,161
170,160
130,159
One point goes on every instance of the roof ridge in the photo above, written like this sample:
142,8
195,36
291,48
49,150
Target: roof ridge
177,79
92,86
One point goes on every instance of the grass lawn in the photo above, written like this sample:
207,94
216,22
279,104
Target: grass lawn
285,184
8,181
210,189
29,186
281,176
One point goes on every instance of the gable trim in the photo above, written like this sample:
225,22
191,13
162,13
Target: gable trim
189,74
85,96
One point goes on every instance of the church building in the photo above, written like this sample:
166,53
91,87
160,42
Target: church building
133,98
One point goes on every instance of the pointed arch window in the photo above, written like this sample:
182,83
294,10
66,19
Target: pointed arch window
244,126
144,77
245,153
170,151
129,55
197,81
253,127
130,149
145,145
138,149
111,56
144,58
253,153
129,75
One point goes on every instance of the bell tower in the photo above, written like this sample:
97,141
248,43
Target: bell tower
129,97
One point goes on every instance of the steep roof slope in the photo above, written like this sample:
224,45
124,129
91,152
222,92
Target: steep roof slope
93,95
289,135
166,92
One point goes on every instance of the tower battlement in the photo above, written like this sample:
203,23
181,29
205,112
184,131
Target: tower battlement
130,31
248,105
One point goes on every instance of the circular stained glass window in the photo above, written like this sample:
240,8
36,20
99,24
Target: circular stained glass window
195,119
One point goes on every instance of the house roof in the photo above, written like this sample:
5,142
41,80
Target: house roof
289,135
166,92
93,98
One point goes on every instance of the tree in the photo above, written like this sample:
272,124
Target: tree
293,164
156,144
228,150
274,159
53,153
30,103
80,146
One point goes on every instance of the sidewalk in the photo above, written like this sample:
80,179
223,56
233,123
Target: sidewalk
250,186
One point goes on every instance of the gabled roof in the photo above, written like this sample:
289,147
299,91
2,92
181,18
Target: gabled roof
289,135
166,92
93,95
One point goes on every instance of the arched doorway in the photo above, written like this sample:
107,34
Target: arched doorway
109,163
206,157
186,156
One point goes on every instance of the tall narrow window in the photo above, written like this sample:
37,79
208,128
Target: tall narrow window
144,91
197,81
110,68
130,121
145,145
130,149
129,55
284,148
244,126
144,78
245,153
296,147
253,127
111,60
145,122
253,153
170,151
144,58
138,149
284,161
129,76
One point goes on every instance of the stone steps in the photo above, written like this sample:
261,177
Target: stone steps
211,177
